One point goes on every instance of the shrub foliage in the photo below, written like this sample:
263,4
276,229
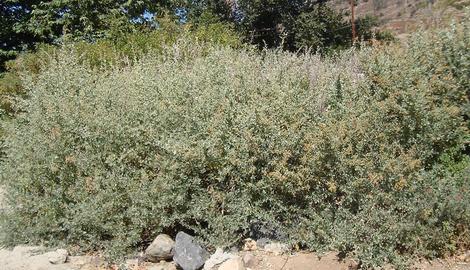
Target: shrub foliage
361,153
117,50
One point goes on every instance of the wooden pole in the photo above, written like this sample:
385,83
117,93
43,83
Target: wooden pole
353,24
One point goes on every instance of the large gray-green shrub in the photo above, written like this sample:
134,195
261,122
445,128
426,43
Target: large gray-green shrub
342,153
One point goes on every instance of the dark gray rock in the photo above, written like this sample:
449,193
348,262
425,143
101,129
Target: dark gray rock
189,255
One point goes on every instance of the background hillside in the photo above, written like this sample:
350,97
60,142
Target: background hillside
405,16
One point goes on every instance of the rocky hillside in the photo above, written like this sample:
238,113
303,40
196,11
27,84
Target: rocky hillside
405,16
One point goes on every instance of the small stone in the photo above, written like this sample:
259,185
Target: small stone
162,248
162,266
217,258
250,245
276,248
261,243
57,257
232,264
467,257
189,255
250,260
131,263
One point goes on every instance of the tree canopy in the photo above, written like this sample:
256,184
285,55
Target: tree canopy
14,14
292,24
26,22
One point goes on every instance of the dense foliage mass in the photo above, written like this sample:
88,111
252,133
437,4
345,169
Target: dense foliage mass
119,50
26,23
292,24
362,153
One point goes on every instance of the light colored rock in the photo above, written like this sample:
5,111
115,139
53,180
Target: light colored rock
276,248
131,263
232,264
162,266
217,258
162,248
189,255
57,257
250,260
250,245
465,257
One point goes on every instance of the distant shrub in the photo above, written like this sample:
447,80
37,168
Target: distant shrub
361,153
118,50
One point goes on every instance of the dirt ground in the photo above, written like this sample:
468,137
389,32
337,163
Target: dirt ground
330,261
35,258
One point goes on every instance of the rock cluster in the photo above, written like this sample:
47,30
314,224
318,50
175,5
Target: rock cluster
186,253
164,253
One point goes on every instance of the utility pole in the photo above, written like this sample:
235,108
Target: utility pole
352,22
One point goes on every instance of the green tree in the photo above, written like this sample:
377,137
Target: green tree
204,11
90,19
27,22
292,24
13,16
269,22
321,27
